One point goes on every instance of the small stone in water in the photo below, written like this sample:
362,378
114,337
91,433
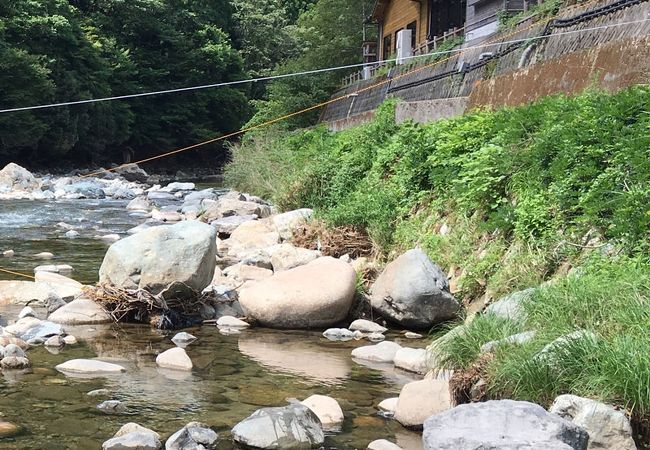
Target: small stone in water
14,350
99,392
70,340
231,322
8,429
411,335
14,362
44,255
182,339
194,435
338,334
112,407
8,253
72,234
35,341
376,337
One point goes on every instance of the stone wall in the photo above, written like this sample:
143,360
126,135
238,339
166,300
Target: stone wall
611,58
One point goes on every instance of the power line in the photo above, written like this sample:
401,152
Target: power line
308,72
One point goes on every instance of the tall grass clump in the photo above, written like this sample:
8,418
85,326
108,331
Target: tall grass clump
607,304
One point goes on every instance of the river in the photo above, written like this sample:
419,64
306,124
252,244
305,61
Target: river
233,375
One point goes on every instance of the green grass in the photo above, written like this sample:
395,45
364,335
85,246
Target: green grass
610,299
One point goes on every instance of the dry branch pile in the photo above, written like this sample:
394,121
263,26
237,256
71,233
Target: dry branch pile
333,241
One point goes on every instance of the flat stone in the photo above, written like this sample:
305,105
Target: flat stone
174,358
383,352
411,335
81,311
367,326
8,429
30,327
112,407
133,427
338,334
27,311
90,367
8,254
54,341
501,424
44,255
421,399
70,340
183,339
412,360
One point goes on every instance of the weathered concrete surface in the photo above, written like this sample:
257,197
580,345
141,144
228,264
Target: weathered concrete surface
426,111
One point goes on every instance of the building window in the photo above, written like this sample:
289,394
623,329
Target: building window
387,48
413,27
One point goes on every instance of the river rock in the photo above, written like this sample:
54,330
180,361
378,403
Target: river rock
227,225
159,256
85,189
288,427
132,427
383,444
412,360
14,363
30,327
287,223
27,311
133,441
413,292
81,311
607,427
8,429
286,256
421,399
13,350
89,367
338,334
30,292
166,216
44,255
327,410
553,352
242,273
65,287
193,436
176,187
318,294
69,340
54,341
17,178
139,204
174,358
8,253
71,234
183,339
383,352
132,172
252,235
8,339
389,405
502,424
367,326
515,339
112,407
231,322
511,306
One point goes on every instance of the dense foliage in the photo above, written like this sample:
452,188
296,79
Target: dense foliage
519,191
65,50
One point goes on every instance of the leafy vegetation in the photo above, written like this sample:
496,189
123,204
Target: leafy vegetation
500,199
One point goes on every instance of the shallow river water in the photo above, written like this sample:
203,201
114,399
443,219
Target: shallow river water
232,377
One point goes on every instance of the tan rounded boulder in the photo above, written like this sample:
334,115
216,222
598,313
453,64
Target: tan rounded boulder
318,294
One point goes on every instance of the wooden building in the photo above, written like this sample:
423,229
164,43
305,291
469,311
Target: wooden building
426,19
432,19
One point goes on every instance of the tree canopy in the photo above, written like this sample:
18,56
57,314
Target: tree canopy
65,50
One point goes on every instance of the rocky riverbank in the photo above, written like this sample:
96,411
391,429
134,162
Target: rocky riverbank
227,259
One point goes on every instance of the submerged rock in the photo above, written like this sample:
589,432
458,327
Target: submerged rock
159,256
112,407
413,292
89,367
383,352
502,424
287,427
318,294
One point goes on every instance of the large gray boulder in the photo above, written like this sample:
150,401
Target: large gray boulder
288,427
503,425
413,292
16,178
318,294
608,428
159,256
